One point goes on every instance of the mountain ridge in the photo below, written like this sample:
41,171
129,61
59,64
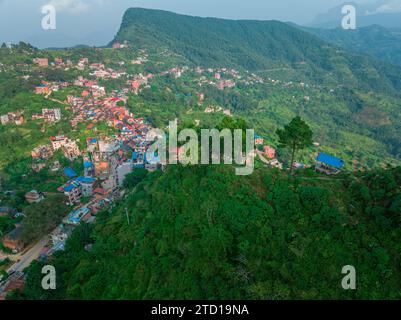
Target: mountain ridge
379,42
367,14
255,45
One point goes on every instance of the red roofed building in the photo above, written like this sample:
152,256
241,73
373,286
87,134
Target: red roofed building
42,89
100,191
13,239
89,83
41,62
116,123
269,152
136,84
18,284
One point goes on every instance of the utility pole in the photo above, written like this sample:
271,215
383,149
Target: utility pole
126,213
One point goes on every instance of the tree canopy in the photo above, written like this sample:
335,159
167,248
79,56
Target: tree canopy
296,135
201,232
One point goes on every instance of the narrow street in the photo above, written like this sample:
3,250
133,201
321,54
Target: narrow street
29,256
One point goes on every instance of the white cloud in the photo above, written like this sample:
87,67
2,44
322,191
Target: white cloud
393,6
382,6
71,6
76,6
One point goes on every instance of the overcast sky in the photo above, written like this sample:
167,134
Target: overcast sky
96,20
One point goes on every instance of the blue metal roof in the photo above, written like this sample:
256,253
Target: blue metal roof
88,164
330,160
85,179
76,216
68,188
70,173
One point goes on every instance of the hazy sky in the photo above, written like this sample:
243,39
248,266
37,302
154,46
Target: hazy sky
93,21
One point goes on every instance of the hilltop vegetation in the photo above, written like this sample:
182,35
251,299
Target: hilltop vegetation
204,233
255,46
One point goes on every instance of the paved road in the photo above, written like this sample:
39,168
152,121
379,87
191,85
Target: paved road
29,256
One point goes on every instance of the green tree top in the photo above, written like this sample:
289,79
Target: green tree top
296,135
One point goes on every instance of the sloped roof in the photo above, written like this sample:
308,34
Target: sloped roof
15,234
330,160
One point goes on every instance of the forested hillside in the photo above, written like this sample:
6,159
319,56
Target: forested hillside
379,42
204,233
256,46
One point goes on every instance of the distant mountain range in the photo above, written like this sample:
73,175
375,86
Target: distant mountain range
384,13
43,38
378,31
377,41
256,46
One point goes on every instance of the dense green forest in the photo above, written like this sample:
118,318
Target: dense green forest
201,232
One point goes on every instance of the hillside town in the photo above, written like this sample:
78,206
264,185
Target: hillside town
246,152
106,159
